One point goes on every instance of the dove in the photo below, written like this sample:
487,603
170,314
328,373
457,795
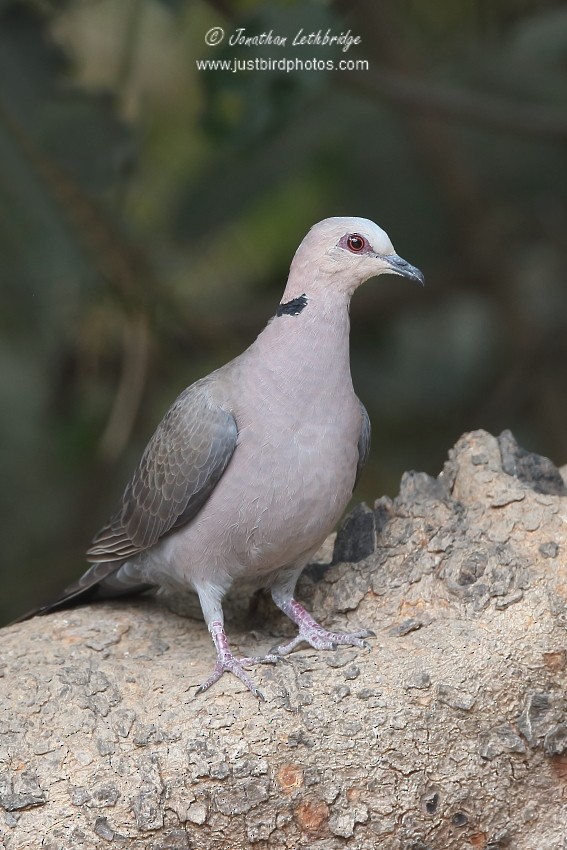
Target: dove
253,465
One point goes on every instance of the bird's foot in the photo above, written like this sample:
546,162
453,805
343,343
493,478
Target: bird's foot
320,638
227,662
315,635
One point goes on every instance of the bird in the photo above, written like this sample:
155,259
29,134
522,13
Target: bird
253,465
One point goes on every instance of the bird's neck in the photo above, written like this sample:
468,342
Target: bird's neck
307,342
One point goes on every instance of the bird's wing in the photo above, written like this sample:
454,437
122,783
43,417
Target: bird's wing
363,442
179,469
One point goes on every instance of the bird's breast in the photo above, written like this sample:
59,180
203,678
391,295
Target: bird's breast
291,480
288,481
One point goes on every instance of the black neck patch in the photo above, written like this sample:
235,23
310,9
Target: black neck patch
292,308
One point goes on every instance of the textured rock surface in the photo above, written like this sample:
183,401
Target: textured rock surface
450,732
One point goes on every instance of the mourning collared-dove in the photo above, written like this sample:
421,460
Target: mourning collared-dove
253,465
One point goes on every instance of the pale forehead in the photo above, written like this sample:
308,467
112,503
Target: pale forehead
332,229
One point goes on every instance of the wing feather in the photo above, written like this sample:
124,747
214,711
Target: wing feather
179,469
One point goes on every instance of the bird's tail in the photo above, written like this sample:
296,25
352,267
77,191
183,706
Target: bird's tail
101,581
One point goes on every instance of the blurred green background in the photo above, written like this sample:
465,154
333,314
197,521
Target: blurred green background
149,212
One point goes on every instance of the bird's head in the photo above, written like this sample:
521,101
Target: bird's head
344,252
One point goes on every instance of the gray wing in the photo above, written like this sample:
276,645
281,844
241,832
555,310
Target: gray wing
179,469
363,442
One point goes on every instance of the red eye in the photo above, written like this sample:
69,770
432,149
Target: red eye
356,243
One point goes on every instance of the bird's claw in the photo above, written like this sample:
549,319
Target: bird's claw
320,638
232,665
228,663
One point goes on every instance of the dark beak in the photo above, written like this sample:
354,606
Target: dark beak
399,266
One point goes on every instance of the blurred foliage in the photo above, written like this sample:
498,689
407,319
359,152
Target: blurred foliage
149,212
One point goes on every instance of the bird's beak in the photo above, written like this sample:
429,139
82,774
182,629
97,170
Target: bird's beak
398,266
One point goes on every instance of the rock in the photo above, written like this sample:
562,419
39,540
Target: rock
536,471
450,732
356,538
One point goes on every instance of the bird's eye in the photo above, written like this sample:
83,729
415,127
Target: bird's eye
356,243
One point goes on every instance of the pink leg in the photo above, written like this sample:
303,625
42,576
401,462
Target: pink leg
227,662
312,633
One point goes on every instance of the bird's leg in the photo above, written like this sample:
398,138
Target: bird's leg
227,661
210,597
310,630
